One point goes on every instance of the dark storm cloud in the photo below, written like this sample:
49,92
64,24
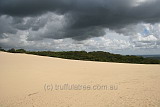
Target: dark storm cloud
32,7
85,18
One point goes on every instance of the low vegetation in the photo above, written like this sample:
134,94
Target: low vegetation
90,56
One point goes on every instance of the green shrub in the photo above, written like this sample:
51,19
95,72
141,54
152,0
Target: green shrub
21,51
1,49
12,50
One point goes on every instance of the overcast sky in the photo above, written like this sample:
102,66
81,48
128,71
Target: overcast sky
117,26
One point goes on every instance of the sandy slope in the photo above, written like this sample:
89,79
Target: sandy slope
29,81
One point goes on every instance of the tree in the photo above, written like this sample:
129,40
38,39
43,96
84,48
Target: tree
12,50
1,49
21,51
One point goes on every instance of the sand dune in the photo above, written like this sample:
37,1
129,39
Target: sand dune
37,81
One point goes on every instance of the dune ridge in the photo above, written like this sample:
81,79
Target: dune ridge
29,81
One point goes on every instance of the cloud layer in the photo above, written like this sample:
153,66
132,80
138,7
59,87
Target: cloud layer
32,21
85,18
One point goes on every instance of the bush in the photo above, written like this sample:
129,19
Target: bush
92,56
21,51
12,50
1,49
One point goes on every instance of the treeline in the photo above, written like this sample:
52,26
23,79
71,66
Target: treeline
154,58
90,56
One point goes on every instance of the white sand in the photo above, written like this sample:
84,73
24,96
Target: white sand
23,78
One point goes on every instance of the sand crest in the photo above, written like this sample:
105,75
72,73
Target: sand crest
37,81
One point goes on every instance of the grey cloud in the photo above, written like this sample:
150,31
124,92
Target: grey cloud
5,26
85,33
34,23
29,7
84,18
